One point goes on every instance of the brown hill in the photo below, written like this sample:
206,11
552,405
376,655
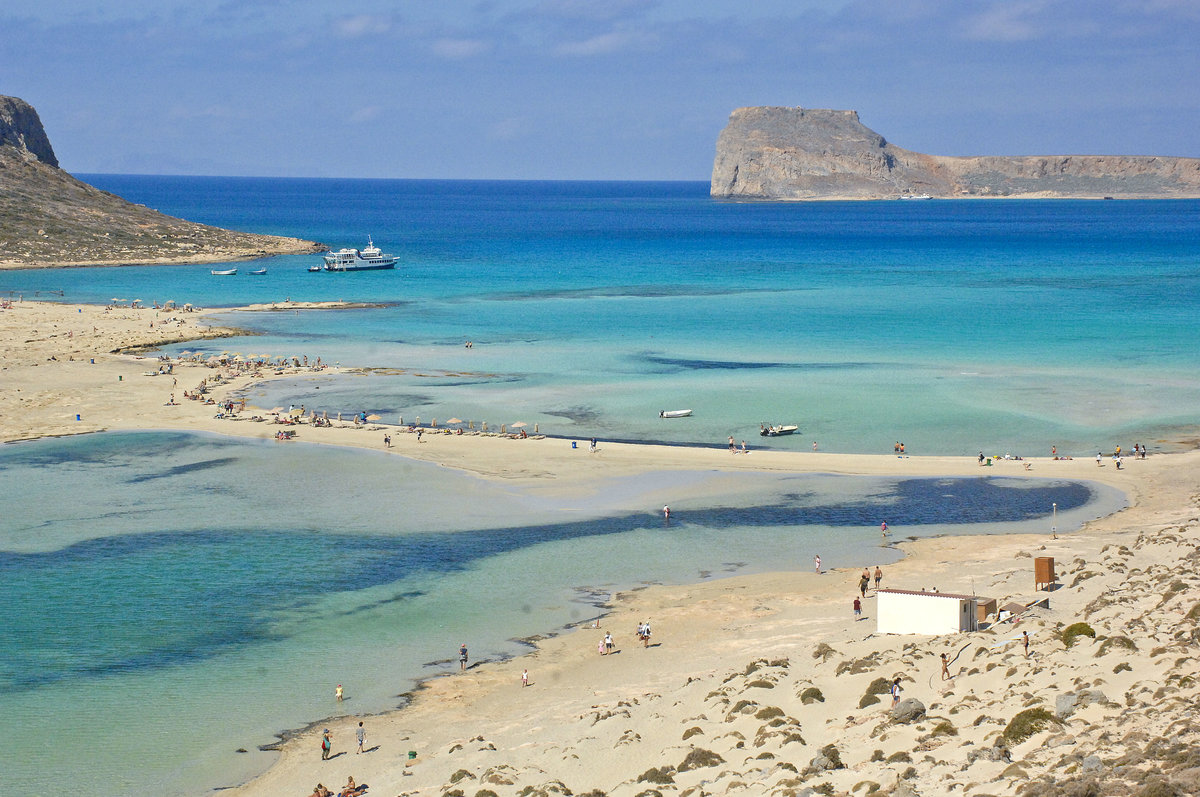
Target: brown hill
799,153
48,218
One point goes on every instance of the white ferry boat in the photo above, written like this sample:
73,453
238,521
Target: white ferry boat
369,259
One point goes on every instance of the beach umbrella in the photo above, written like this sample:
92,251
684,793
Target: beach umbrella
519,425
277,409
372,417
454,420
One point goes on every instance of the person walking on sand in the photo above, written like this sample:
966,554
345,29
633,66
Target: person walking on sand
817,564
646,635
1099,456
462,657
863,583
878,577
857,610
608,642
945,667
732,447
1025,642
744,449
524,678
895,690
326,745
592,446
361,733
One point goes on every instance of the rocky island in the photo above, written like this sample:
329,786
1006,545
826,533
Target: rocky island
805,153
49,218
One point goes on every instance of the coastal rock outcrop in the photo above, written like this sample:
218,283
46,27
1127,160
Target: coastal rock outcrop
49,218
805,153
21,128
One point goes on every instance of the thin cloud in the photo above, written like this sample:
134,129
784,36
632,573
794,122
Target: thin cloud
367,113
1007,22
360,25
604,44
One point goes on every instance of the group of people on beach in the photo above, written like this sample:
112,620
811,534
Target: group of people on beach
864,581
351,789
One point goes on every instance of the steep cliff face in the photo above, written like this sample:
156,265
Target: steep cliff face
48,218
21,129
800,153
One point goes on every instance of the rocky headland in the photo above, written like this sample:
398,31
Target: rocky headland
48,218
805,153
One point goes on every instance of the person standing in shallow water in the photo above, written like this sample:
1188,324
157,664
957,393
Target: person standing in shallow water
462,657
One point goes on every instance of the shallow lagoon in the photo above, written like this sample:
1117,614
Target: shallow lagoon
194,594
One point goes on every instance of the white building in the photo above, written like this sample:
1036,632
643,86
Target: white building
901,611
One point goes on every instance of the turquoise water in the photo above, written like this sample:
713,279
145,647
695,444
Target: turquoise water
206,593
953,326
194,595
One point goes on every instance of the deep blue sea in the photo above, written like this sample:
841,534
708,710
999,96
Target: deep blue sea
192,595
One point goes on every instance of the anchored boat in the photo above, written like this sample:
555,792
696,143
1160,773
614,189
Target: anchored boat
369,259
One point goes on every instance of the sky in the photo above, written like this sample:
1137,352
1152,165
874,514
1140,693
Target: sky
585,89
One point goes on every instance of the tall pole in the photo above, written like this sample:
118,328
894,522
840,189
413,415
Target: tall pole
1054,520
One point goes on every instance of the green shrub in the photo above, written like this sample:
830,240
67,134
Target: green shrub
1027,723
880,686
1071,632
812,695
700,757
867,700
944,728
660,775
1116,642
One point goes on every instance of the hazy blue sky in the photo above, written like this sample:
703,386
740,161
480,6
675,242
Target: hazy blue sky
566,89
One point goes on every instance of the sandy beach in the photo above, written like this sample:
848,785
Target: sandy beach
753,684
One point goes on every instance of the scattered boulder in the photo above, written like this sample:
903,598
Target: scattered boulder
1065,705
908,710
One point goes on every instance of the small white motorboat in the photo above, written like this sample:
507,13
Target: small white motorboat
776,431
226,273
674,413
259,272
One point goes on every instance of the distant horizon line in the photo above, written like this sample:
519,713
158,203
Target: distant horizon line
391,179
